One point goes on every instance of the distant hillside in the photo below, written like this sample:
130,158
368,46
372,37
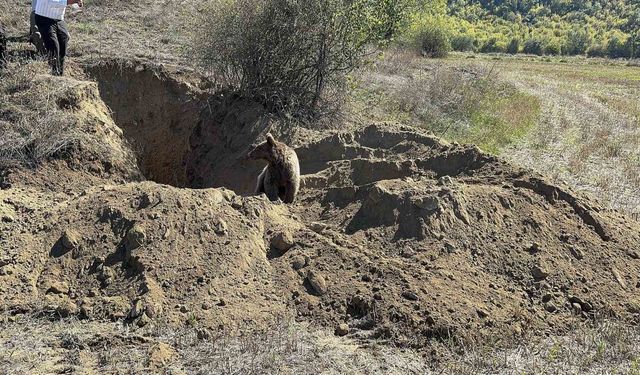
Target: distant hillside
572,27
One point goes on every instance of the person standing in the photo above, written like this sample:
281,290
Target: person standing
49,17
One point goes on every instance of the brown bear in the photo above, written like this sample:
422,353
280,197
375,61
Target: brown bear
280,179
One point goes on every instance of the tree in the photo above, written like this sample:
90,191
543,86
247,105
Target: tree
285,53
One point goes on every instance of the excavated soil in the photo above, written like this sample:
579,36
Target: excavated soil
398,234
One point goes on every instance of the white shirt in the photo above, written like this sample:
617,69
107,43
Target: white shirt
53,9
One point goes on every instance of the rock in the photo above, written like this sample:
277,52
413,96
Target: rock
58,287
482,313
342,330
150,311
206,305
634,254
298,262
618,276
411,296
535,247
184,309
550,307
282,241
135,237
317,282
577,309
584,305
539,273
7,218
546,298
221,228
70,239
429,203
318,227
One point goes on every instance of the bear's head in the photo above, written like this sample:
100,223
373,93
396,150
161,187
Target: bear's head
267,150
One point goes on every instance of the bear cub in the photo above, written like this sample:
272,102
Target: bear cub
280,179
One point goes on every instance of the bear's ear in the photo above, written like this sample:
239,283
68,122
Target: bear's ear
270,139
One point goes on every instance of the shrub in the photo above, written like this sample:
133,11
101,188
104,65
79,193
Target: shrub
577,42
432,38
552,47
462,43
286,53
533,47
514,46
493,45
618,47
596,50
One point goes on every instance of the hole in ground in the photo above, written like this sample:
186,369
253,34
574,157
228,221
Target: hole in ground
182,135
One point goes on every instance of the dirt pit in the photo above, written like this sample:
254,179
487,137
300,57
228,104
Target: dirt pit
399,235
182,135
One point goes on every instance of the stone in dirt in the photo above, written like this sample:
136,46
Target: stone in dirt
136,237
298,262
539,273
411,296
317,282
342,329
58,287
70,239
282,241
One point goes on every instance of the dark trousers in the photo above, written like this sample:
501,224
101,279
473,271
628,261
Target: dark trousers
3,47
55,38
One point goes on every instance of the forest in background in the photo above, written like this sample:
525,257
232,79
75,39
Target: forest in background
596,28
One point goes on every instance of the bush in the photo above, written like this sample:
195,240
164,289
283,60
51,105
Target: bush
552,47
596,50
533,47
285,53
514,46
577,42
493,45
617,47
462,43
432,38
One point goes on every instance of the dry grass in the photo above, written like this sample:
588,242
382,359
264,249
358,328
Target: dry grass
33,345
465,103
575,120
33,128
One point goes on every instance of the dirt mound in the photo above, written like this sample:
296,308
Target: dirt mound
397,234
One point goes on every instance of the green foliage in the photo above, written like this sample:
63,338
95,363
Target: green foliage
431,36
494,44
618,47
462,43
514,46
552,47
596,50
286,53
569,27
577,42
533,47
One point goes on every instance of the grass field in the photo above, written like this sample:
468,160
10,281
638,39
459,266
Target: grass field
576,120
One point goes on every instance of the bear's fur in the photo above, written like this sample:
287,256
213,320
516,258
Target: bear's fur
280,179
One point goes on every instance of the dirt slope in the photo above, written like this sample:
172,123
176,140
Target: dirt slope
398,234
